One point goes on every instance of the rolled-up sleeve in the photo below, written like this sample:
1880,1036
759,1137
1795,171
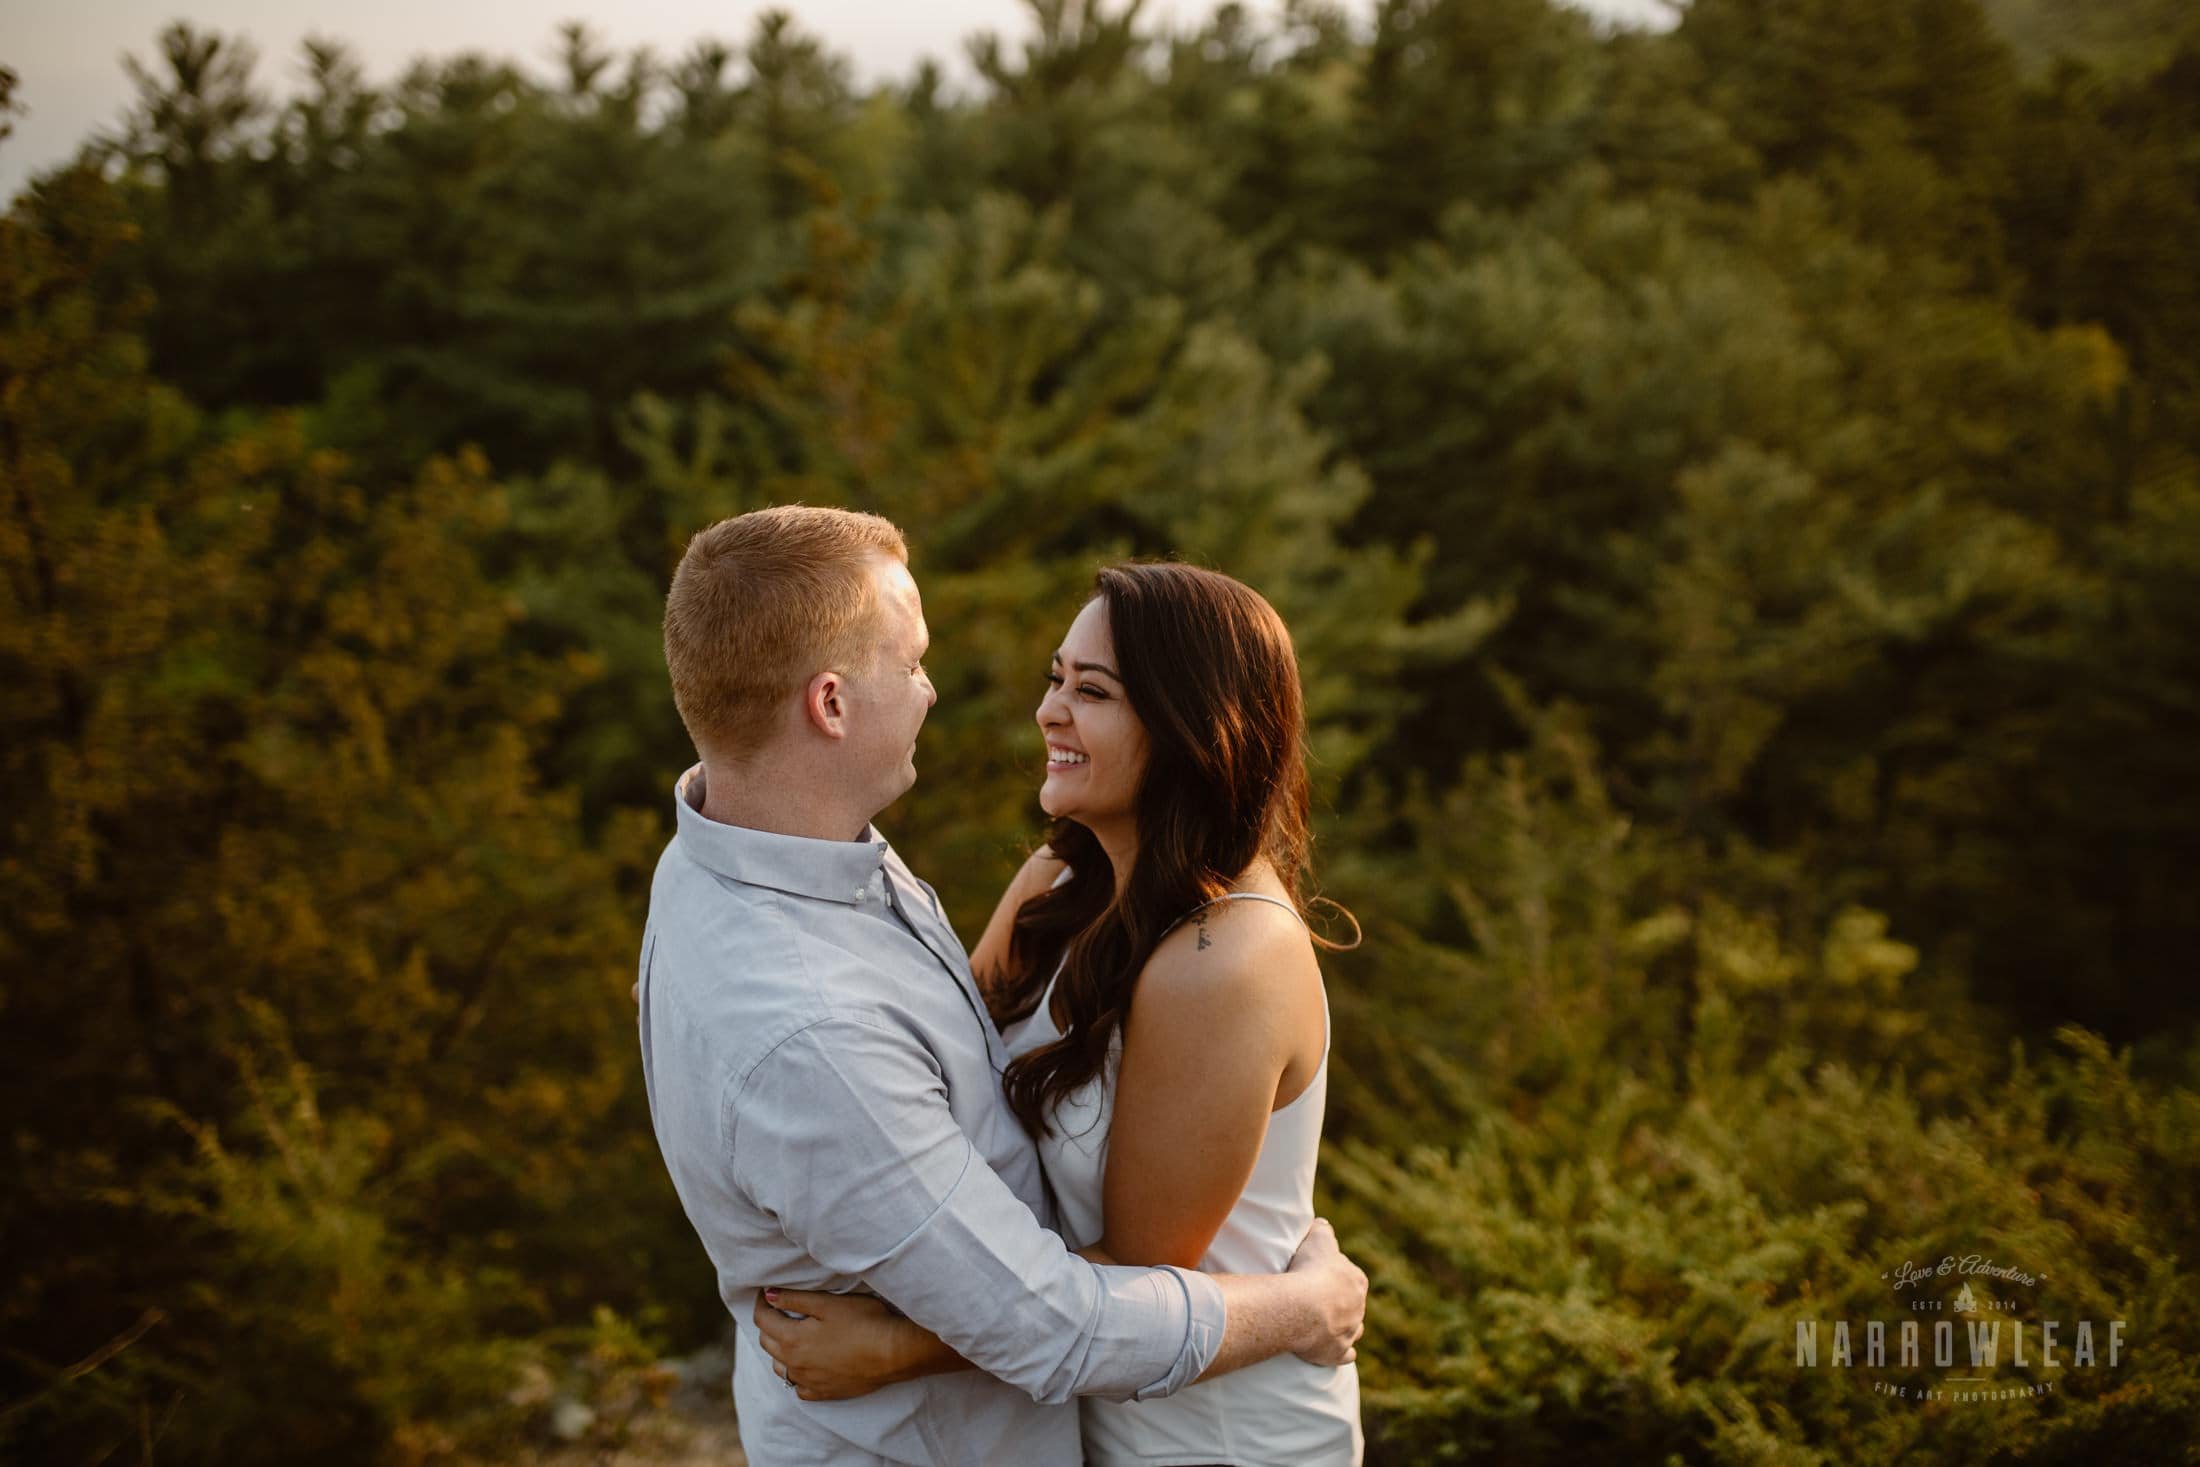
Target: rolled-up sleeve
843,1133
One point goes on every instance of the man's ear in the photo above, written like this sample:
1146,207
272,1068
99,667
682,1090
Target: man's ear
825,704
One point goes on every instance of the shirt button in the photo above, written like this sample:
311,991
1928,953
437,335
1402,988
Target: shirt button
859,893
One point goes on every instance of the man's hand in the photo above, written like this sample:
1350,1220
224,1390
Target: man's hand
1341,1298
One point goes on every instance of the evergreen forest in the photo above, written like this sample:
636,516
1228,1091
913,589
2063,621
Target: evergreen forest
1735,489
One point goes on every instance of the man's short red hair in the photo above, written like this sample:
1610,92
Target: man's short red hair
761,603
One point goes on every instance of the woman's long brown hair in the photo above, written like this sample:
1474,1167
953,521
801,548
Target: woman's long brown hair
1209,669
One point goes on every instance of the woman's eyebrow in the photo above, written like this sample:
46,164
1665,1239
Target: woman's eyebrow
1090,666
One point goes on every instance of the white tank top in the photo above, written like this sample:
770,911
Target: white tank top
1281,1412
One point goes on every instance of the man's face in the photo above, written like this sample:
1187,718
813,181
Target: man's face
887,701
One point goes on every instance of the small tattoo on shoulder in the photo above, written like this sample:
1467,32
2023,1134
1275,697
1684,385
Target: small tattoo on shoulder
1204,941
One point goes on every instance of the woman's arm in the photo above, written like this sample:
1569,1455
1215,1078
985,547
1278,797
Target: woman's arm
834,1346
845,1345
989,959
1226,1010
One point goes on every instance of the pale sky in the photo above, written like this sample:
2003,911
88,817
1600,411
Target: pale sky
68,53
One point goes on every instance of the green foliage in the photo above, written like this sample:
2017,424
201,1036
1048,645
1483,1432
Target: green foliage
1735,490
270,768
2114,36
1658,1130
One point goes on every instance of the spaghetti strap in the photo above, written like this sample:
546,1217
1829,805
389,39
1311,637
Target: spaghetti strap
1235,896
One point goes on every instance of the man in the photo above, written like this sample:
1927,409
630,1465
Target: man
823,1077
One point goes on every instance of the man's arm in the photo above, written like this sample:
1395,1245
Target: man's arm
831,1347
845,1137
1315,1309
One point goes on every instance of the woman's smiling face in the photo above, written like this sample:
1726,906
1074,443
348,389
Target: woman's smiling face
1096,746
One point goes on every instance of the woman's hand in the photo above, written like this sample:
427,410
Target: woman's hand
850,1344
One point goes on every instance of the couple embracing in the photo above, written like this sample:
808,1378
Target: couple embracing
1049,1200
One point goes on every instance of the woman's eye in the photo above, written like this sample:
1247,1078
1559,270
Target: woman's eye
1054,679
1092,692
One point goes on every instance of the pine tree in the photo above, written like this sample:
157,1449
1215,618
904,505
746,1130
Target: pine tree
270,797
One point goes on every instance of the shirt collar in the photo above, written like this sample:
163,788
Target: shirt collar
844,871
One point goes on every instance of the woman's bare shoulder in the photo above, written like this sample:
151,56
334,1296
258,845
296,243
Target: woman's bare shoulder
1231,951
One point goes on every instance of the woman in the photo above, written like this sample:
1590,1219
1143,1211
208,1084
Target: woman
1152,973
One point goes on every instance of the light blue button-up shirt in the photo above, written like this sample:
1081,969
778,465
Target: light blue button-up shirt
825,1087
